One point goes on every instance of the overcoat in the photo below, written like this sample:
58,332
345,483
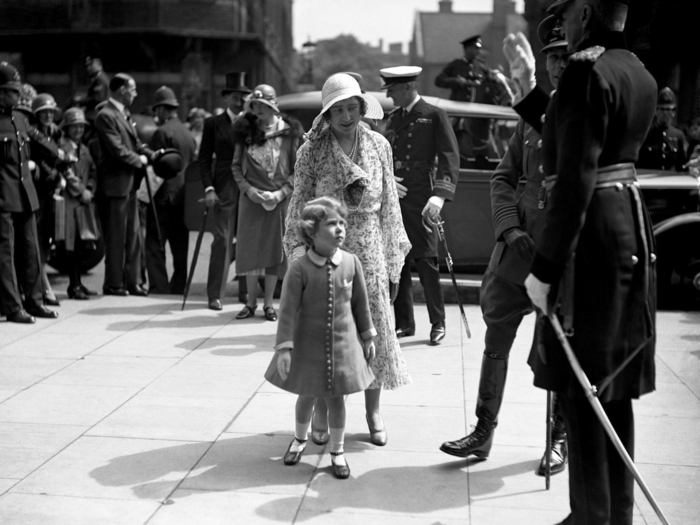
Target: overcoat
82,177
416,141
513,208
324,316
598,117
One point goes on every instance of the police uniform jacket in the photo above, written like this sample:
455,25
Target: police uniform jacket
474,71
663,149
418,140
324,316
217,148
598,117
514,207
173,134
17,138
118,157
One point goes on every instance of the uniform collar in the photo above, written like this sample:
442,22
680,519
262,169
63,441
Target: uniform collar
607,39
321,261
410,107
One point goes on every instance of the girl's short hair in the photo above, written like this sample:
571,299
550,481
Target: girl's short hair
313,213
360,100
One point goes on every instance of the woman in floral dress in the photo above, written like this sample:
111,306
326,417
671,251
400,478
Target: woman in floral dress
344,160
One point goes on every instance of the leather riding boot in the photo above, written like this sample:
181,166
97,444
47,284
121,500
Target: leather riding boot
491,387
560,453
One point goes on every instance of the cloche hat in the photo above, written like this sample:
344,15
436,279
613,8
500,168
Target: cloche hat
43,101
264,94
73,116
342,86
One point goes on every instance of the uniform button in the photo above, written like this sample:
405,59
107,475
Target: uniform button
541,169
527,142
653,257
543,118
664,133
329,387
649,148
408,146
330,367
539,144
408,157
635,260
410,134
619,186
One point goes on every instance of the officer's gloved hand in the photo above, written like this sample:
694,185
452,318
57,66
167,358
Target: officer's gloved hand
518,52
521,243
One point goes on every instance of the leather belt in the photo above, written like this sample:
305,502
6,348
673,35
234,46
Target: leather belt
618,176
407,165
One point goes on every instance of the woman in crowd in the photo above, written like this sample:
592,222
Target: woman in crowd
78,194
263,164
353,164
195,119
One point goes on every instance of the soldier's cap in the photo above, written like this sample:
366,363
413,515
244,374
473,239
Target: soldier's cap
73,116
472,41
558,7
551,34
165,96
399,75
235,83
667,99
9,77
43,101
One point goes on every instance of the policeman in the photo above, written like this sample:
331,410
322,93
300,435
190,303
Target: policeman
504,300
463,75
665,145
426,167
18,204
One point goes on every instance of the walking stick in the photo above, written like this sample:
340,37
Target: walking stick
591,392
448,259
155,215
193,264
548,450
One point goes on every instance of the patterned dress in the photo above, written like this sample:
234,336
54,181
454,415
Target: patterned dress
375,231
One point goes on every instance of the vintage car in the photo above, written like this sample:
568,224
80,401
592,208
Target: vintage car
673,198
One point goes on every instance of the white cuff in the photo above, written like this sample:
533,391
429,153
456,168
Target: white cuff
437,201
209,188
285,345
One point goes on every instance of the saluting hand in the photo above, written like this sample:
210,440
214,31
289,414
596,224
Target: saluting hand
519,54
400,188
521,243
284,362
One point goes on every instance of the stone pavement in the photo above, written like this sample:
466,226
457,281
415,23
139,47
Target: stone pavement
129,411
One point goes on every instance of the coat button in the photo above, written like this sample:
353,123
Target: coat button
410,134
527,142
652,257
619,186
539,144
543,118
408,157
635,259
541,169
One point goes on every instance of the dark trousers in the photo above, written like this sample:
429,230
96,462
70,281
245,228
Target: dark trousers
503,306
225,218
123,243
171,218
429,275
601,487
19,262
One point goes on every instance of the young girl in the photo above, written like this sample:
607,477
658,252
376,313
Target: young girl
324,337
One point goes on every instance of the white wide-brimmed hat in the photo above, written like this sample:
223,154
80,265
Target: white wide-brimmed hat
342,86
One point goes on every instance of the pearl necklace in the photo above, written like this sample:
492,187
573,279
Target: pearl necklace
353,150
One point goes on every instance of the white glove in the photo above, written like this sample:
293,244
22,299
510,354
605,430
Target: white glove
538,292
519,54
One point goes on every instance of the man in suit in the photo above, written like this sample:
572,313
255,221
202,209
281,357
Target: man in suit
169,200
120,165
504,300
220,190
594,264
19,249
418,133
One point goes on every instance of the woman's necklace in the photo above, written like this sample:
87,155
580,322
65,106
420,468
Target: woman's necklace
353,150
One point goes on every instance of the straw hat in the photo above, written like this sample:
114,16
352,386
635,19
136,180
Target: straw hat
264,94
342,86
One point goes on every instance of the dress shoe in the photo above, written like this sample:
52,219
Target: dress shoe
478,443
76,292
292,458
215,304
42,311
405,332
138,291
20,316
557,461
108,290
87,291
340,471
270,313
248,311
437,333
51,300
377,437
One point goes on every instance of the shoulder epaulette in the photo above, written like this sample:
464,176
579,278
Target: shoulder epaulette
588,55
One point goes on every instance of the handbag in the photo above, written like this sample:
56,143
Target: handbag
86,222
59,214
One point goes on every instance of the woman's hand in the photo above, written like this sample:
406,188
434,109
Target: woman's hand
257,196
369,349
284,361
86,196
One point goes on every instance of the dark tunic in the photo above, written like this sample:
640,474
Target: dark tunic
663,149
598,117
474,71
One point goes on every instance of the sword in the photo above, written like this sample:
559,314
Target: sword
591,394
193,264
548,453
448,259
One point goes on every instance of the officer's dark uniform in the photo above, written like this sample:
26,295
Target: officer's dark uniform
665,146
593,129
19,250
474,71
426,156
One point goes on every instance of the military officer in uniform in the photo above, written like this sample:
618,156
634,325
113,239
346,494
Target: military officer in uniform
665,146
426,167
463,75
504,300
594,256
19,248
